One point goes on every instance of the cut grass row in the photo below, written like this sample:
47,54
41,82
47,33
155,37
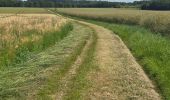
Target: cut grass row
80,83
38,76
151,50
55,82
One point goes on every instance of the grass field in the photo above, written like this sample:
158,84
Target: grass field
151,50
157,21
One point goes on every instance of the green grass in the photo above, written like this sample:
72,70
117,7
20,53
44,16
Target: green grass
22,10
54,83
40,72
151,50
80,83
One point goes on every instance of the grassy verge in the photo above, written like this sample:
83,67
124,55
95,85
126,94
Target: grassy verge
79,84
151,50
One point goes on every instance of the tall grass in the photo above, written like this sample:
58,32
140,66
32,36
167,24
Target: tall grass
157,21
23,34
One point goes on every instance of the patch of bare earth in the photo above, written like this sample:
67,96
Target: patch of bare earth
119,76
65,81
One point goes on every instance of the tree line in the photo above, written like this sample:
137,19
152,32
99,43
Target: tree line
145,4
156,5
63,3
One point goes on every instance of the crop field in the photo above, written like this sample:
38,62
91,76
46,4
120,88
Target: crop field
13,10
5,15
27,30
157,21
110,54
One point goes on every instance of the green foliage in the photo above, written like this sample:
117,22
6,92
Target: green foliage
22,54
50,38
156,5
65,3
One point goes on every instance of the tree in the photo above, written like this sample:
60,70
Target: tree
156,5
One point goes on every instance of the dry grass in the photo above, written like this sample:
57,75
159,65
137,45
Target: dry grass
17,30
22,10
4,15
119,76
40,75
157,21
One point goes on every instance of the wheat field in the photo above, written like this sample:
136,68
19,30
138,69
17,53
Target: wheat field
21,29
157,21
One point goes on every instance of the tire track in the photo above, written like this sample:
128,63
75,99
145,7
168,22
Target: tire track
66,80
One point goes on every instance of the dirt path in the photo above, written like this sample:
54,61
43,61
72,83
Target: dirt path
119,76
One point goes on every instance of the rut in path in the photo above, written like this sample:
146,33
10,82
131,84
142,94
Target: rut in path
119,76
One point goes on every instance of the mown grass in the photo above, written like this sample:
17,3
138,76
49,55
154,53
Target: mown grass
151,50
15,10
156,21
49,39
80,83
38,75
54,83
23,70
